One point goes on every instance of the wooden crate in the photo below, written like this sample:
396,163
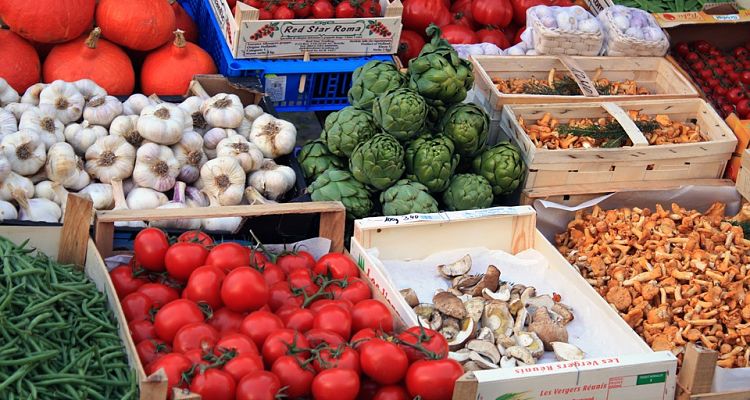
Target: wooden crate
656,74
743,178
697,374
638,163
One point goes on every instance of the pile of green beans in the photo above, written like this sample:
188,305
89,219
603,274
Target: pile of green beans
58,338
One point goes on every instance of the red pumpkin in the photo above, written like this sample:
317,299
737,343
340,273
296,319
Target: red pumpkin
48,21
184,22
19,65
91,58
136,24
169,69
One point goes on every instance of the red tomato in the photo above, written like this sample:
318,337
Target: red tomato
292,374
283,13
317,336
494,36
150,246
296,260
226,320
124,281
260,385
345,10
385,362
393,392
300,7
339,357
299,319
150,350
334,318
745,77
213,384
241,344
336,384
279,294
196,237
462,19
432,341
492,12
272,273
337,265
195,336
735,95
159,293
355,290
318,304
433,379
259,324
743,108
302,279
229,255
242,365
257,256
173,316
409,46
369,9
174,365
183,258
142,330
196,357
702,46
244,289
204,285
367,388
371,314
682,48
362,337
136,306
322,9
279,343
419,14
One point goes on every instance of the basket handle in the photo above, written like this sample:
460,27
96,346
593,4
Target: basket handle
579,75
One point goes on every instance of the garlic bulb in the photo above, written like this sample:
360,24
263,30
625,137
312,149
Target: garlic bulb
31,96
127,127
43,190
252,112
82,136
194,197
8,123
40,176
223,111
61,163
44,123
135,104
162,123
178,201
80,179
110,157
122,204
101,110
7,211
275,137
192,107
89,89
7,93
272,180
14,181
245,128
247,154
155,167
4,167
145,199
190,155
224,179
64,100
61,196
17,109
226,224
25,152
101,194
128,185
40,210
212,138
253,196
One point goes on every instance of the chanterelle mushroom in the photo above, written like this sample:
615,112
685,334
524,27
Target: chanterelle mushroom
457,268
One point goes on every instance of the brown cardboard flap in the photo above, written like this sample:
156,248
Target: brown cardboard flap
214,84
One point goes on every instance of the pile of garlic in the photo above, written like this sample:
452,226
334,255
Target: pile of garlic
64,137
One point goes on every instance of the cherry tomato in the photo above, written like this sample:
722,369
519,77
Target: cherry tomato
702,46
298,319
244,289
173,316
150,246
727,109
159,293
334,318
241,344
259,385
345,10
242,365
278,344
317,336
174,365
195,336
226,320
432,341
283,13
204,285
338,357
272,273
354,290
196,237
293,375
279,295
743,108
433,379
369,9
213,384
150,350
228,256
136,306
682,48
124,281
745,77
295,260
257,256
322,9
183,258
196,357
706,74
735,95
371,314
336,384
337,265
142,330
259,324
362,337
385,362
301,8
393,392
692,57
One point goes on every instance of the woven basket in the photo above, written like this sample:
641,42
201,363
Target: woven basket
555,41
619,44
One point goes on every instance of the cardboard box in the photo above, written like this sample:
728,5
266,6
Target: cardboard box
634,373
743,177
718,13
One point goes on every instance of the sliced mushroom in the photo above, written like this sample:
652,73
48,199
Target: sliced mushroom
450,305
505,341
565,313
533,303
490,281
483,362
537,346
484,348
547,329
475,307
515,305
507,362
457,268
470,366
521,319
520,353
502,293
497,317
567,352
450,328
465,283
524,339
467,329
486,334
428,316
461,355
528,293
410,296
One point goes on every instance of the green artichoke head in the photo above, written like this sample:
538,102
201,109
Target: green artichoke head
346,128
371,80
378,162
407,197
468,126
401,113
315,158
431,162
502,165
468,192
338,185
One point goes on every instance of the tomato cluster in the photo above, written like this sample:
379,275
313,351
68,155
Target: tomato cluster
723,76
231,322
318,9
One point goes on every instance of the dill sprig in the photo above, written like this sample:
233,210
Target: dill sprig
612,133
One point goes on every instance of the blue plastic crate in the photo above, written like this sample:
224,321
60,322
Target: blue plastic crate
327,80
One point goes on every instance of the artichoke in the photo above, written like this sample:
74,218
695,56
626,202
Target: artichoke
371,80
401,113
347,128
337,185
431,162
407,197
468,126
439,74
315,158
378,162
468,192
502,166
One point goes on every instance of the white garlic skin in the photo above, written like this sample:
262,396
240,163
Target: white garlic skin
31,95
155,167
64,99
190,156
15,182
135,104
274,137
140,198
45,124
7,93
247,154
24,151
162,123
224,179
7,211
101,110
101,194
89,89
82,136
272,180
110,157
223,111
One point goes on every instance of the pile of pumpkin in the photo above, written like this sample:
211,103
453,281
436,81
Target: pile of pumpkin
71,40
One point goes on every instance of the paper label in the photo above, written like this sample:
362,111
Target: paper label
579,75
597,6
276,87
627,124
445,216
226,21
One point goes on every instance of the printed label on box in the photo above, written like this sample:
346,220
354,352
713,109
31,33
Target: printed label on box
276,87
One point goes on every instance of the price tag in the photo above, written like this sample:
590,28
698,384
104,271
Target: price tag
597,6
622,117
579,75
